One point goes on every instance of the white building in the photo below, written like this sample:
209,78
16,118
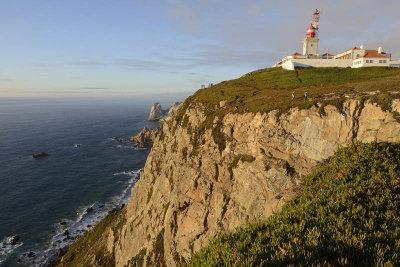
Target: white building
356,57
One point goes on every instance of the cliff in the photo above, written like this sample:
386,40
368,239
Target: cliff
233,154
145,138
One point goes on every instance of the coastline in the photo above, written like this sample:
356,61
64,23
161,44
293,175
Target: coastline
68,230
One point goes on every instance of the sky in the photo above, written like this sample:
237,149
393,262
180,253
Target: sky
128,48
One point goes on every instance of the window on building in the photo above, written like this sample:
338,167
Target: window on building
358,55
380,61
384,61
371,61
367,61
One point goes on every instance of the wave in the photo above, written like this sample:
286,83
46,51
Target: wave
67,231
8,245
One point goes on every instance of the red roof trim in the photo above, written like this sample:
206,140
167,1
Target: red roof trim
372,54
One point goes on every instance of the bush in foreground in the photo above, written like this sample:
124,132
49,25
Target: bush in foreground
348,213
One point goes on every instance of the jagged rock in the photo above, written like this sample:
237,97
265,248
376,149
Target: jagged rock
172,110
40,155
158,114
145,138
118,139
31,254
14,240
90,209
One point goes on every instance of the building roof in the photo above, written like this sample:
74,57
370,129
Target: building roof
327,55
354,48
296,54
372,54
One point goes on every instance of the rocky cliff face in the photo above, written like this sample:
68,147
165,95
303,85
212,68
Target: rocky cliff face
158,114
194,187
145,138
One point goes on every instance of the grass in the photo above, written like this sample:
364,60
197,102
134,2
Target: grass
236,159
138,260
157,252
348,213
90,243
270,89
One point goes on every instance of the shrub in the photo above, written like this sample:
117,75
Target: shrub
348,213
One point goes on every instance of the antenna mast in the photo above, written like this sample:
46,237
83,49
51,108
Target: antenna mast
315,22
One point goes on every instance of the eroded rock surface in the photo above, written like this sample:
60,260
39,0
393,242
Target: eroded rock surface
187,195
159,114
145,138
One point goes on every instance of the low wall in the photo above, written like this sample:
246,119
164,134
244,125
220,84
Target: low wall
317,63
395,63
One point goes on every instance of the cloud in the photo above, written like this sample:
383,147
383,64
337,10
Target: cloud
10,80
265,30
94,88
87,63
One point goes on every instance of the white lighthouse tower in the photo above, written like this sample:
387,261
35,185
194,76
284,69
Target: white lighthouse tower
310,43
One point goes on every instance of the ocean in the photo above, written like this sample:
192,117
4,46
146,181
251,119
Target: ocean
48,202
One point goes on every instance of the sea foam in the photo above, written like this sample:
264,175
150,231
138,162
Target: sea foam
67,231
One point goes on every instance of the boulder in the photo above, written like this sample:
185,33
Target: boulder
40,155
90,209
14,240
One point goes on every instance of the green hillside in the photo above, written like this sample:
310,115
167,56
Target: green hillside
271,89
348,213
268,89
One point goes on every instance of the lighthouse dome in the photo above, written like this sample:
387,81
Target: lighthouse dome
311,31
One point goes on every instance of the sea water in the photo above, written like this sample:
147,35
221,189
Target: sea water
87,172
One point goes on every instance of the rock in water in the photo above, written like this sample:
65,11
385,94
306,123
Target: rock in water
14,240
90,209
145,138
40,155
157,113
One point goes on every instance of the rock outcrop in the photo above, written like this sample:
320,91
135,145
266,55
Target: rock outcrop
158,114
145,138
172,110
194,187
40,155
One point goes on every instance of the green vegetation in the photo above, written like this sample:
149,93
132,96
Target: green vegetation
158,251
270,89
138,260
91,243
348,213
236,159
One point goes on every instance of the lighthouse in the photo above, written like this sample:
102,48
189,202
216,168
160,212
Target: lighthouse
310,43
